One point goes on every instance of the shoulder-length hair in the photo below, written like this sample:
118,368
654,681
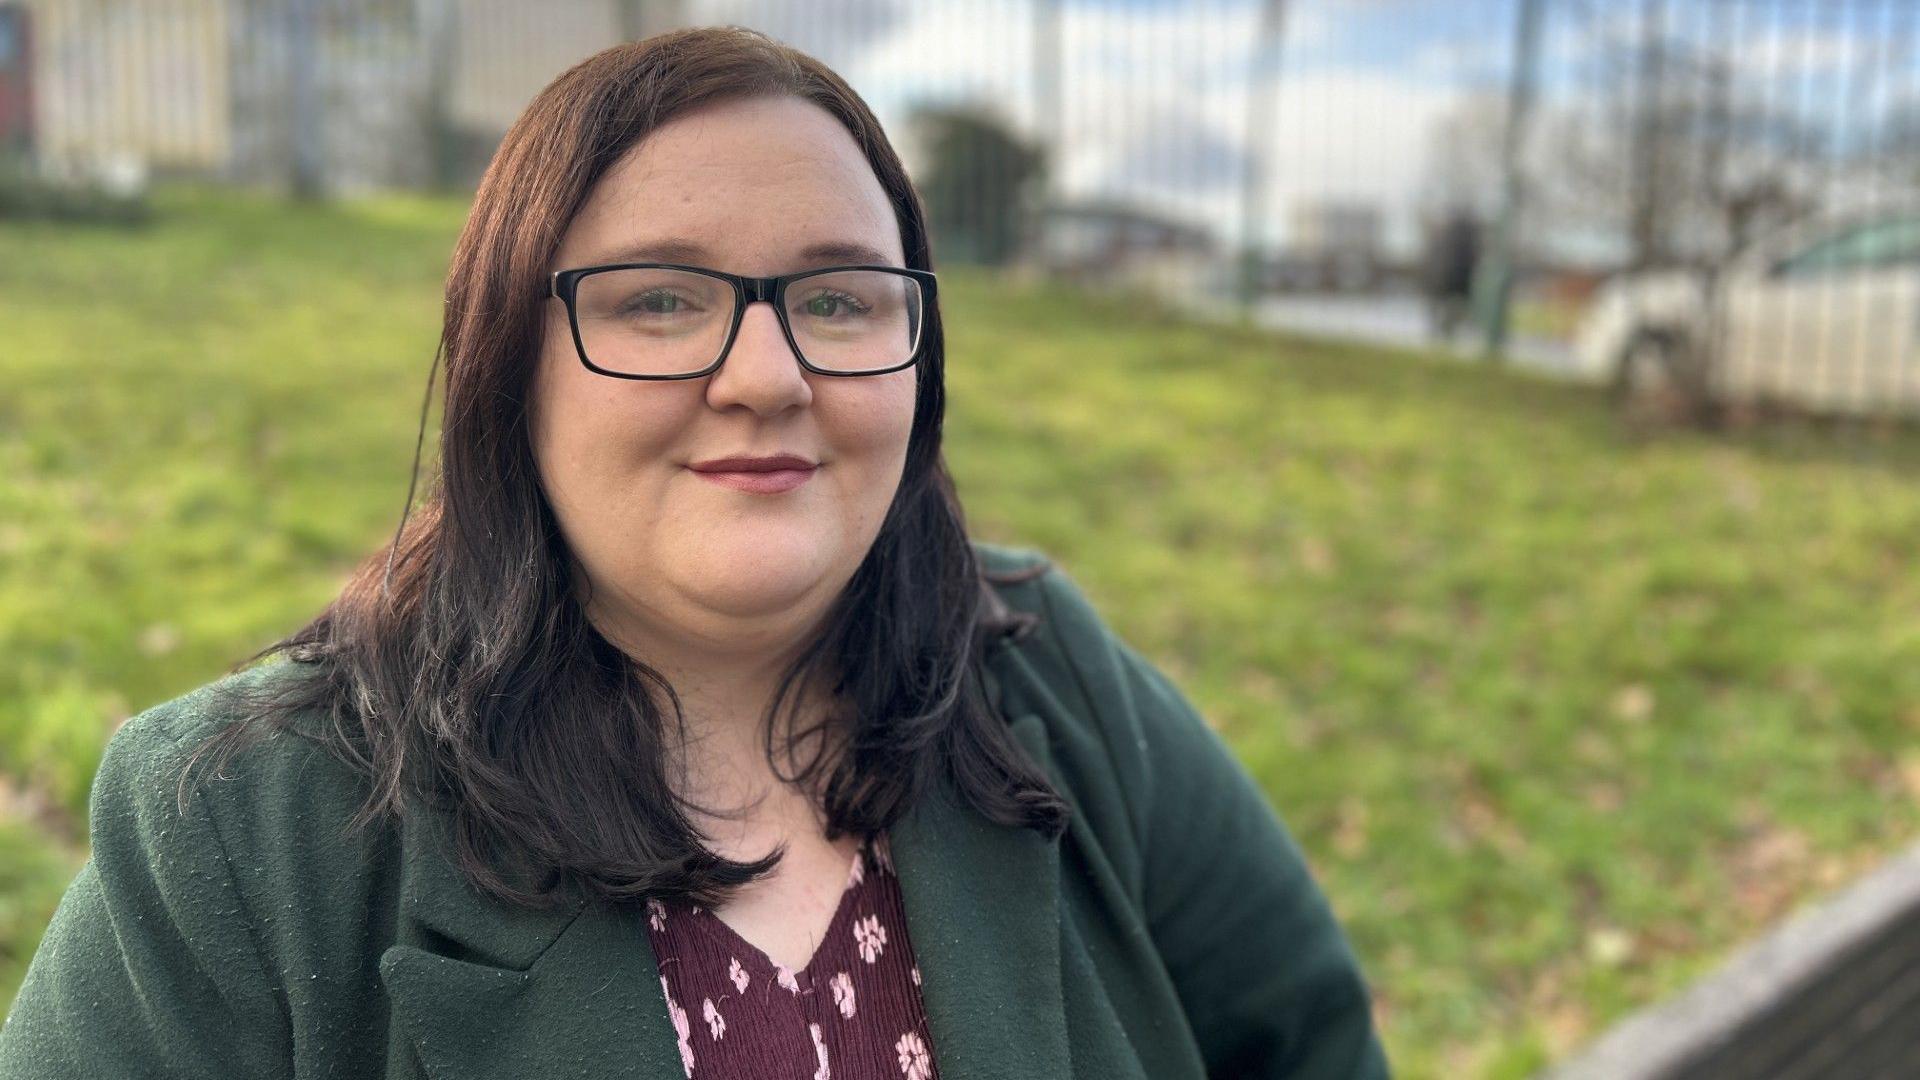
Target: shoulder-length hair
457,668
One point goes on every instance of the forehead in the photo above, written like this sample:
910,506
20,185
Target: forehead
757,186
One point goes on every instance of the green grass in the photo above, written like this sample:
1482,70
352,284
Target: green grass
1561,710
33,872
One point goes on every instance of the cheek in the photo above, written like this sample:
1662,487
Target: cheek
874,416
563,416
871,430
589,431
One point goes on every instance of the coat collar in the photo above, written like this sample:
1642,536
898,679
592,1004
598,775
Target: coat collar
489,992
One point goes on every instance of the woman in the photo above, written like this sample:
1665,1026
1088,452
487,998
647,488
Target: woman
633,758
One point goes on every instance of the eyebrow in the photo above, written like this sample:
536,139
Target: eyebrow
679,250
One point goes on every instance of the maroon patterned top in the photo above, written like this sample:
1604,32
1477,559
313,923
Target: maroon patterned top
852,1013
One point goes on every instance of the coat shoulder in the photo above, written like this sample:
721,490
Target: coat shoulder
269,797
225,900
1062,635
1032,582
999,560
1267,978
184,721
1067,666
167,736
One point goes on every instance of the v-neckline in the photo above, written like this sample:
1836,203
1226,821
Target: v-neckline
803,975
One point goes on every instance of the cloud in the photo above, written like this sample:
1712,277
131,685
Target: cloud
1465,59
1173,153
1797,53
1154,99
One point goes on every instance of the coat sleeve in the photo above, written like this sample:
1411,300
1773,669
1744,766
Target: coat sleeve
1269,982
149,967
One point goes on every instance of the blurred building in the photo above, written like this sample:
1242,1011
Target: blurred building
1337,242
362,93
1114,244
111,81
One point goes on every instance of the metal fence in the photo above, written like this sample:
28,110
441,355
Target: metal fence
1742,170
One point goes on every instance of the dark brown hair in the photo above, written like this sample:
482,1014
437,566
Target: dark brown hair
472,679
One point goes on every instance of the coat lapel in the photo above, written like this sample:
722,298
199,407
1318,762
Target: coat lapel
983,911
488,992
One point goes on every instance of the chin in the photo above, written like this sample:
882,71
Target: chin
755,578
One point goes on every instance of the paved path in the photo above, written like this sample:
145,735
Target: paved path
1399,319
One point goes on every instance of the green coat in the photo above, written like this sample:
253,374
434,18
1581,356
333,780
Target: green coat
1173,932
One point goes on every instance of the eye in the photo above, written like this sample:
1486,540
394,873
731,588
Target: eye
657,302
827,304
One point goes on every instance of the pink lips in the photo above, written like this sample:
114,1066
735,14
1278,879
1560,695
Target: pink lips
760,475
771,482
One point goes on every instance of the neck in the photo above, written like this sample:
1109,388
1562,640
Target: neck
744,799
725,685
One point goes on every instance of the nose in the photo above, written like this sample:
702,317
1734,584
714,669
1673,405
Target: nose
760,371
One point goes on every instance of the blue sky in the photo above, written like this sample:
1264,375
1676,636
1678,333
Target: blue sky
1404,35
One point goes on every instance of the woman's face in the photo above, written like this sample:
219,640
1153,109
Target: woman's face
678,561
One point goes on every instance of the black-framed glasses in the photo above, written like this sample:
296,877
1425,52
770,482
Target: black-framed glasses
669,321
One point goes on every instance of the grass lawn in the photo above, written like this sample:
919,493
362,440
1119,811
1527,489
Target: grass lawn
1561,711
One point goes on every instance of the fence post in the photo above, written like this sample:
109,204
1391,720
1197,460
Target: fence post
1262,92
439,37
307,122
1493,283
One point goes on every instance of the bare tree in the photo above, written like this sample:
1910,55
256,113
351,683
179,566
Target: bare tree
1680,160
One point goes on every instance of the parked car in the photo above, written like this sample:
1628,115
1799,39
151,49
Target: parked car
1823,316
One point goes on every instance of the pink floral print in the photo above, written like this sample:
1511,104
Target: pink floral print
823,1072
843,994
681,1027
871,936
852,1012
913,1057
